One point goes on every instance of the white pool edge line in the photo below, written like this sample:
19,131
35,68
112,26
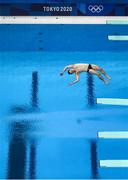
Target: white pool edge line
112,101
113,134
114,163
58,19
118,37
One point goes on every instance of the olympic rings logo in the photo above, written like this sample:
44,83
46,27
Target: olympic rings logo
95,8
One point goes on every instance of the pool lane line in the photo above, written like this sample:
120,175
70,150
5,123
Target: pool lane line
91,98
114,163
34,89
94,163
112,101
113,134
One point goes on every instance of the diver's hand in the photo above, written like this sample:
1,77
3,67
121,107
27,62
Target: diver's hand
70,84
61,74
106,82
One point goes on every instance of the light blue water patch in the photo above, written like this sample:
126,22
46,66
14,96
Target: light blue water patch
69,158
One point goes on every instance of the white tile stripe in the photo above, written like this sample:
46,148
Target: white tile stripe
124,22
113,134
114,163
58,20
112,101
118,38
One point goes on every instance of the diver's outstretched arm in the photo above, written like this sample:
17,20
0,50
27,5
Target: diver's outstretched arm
66,67
77,79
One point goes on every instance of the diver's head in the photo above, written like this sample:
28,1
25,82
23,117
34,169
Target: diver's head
71,71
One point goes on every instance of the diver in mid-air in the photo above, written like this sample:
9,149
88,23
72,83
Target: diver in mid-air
90,68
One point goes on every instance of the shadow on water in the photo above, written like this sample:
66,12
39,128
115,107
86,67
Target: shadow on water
21,153
91,100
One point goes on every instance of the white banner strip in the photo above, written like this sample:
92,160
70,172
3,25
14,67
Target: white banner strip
114,163
112,101
113,134
120,21
118,38
59,19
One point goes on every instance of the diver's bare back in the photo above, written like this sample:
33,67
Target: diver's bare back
80,67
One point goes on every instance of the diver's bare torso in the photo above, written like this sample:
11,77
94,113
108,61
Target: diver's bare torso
80,67
83,67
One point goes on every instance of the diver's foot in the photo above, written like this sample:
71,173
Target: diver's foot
106,82
109,77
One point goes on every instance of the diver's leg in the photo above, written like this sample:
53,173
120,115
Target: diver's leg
91,71
97,68
104,73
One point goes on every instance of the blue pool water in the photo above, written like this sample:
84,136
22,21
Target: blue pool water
56,140
61,38
49,130
54,94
